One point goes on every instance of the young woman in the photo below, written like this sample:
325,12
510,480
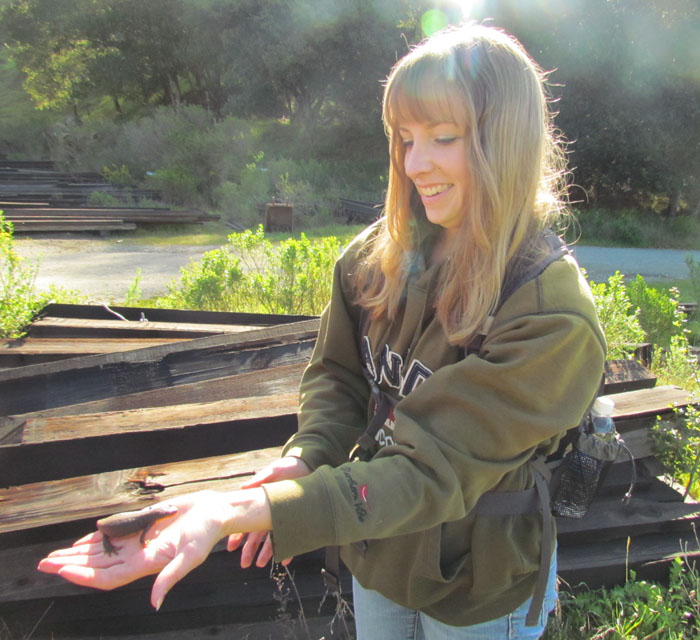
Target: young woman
462,384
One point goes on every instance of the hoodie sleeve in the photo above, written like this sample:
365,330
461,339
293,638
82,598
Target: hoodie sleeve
466,430
334,394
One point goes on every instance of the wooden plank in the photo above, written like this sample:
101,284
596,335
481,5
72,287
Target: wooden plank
646,513
47,461
216,590
607,563
155,418
34,450
25,351
42,386
47,503
627,375
648,402
103,312
265,382
115,328
84,385
251,339
27,227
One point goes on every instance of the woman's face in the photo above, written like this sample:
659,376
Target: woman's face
435,161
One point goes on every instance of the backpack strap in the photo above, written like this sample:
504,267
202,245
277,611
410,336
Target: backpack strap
519,276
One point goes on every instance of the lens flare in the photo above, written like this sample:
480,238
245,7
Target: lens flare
432,21
449,12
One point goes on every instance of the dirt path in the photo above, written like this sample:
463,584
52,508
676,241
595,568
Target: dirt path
103,269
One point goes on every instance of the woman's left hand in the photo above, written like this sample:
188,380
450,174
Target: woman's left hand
175,547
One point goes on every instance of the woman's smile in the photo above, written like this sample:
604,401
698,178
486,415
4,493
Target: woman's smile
435,160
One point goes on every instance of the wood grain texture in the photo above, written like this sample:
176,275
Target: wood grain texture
46,503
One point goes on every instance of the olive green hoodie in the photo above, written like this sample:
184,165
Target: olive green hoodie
461,427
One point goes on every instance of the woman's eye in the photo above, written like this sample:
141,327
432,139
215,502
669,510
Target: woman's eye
446,139
406,143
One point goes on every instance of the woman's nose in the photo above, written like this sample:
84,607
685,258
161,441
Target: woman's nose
417,160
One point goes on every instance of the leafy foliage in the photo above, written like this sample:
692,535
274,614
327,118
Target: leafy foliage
19,300
625,84
638,609
659,315
676,443
618,317
251,274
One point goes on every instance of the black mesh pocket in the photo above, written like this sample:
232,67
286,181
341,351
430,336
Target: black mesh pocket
579,484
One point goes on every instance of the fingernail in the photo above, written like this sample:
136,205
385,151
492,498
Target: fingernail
158,604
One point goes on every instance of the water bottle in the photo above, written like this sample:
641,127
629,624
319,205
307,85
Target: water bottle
601,418
584,467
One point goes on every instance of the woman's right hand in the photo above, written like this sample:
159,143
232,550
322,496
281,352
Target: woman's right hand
259,543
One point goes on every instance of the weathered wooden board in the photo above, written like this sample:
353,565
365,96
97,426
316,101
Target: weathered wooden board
281,379
26,351
647,512
156,418
627,375
607,563
70,226
41,386
102,312
32,463
216,592
115,328
649,402
46,503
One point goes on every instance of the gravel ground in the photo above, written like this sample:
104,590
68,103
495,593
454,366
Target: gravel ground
103,269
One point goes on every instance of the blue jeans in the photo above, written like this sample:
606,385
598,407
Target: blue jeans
377,618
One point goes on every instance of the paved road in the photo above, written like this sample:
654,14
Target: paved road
104,269
652,264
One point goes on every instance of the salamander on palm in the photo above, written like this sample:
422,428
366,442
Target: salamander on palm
124,524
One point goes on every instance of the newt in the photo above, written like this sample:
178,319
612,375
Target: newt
128,522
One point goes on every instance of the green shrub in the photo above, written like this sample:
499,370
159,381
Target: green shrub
19,300
177,184
676,365
676,442
617,316
119,176
637,610
183,151
250,274
241,201
103,199
694,272
659,315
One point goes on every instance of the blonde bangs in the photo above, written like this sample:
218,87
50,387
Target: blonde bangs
419,93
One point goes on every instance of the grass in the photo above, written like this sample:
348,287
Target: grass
684,286
626,228
216,233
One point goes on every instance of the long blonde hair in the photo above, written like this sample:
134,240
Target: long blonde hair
483,80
